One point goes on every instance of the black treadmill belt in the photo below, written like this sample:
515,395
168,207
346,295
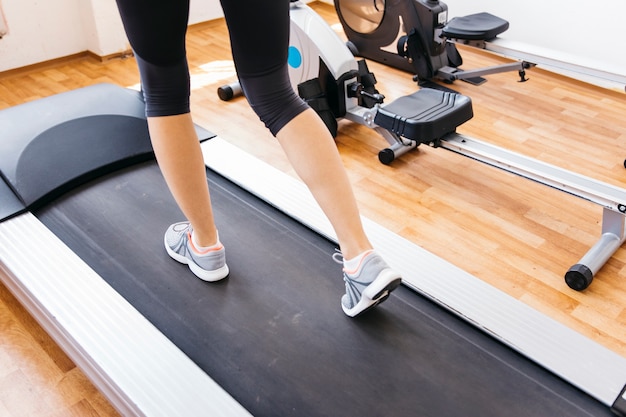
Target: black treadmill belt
273,333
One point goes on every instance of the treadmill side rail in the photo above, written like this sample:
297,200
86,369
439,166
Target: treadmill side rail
136,367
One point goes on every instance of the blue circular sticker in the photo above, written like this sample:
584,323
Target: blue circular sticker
295,58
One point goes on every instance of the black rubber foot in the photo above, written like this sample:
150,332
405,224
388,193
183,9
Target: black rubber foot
225,93
578,277
386,156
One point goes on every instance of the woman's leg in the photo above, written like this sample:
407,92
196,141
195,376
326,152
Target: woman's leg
316,160
261,63
156,30
183,168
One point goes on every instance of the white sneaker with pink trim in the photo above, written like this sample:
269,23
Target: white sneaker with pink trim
368,285
208,265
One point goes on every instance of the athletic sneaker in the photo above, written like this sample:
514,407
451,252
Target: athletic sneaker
208,265
368,285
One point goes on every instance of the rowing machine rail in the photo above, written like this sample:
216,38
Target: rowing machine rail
611,199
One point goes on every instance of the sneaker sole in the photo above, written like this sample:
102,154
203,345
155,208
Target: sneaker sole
377,292
203,274
209,276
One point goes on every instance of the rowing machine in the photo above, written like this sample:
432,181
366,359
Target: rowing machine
416,36
328,76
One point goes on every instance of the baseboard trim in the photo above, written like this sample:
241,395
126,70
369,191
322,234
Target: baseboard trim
61,60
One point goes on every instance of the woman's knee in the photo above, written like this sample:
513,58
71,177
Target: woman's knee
166,88
273,99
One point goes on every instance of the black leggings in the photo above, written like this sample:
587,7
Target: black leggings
259,36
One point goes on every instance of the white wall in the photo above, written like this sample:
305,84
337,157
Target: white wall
3,25
42,30
38,31
590,32
102,28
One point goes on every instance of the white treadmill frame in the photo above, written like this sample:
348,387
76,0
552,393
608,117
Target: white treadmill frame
143,374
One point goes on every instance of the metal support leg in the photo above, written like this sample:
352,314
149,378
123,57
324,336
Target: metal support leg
579,276
452,74
398,146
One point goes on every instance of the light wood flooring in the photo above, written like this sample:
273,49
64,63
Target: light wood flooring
516,235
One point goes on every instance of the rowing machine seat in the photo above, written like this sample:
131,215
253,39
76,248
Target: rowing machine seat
479,26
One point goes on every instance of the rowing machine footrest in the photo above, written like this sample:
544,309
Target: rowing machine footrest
425,115
475,27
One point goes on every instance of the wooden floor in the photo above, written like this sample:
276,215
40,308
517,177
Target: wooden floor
517,235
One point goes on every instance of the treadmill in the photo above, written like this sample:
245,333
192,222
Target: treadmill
83,209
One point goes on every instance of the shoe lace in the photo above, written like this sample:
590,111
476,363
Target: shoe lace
338,256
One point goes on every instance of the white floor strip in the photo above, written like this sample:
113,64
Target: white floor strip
577,359
136,367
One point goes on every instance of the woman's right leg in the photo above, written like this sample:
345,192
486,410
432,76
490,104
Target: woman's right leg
259,33
261,62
